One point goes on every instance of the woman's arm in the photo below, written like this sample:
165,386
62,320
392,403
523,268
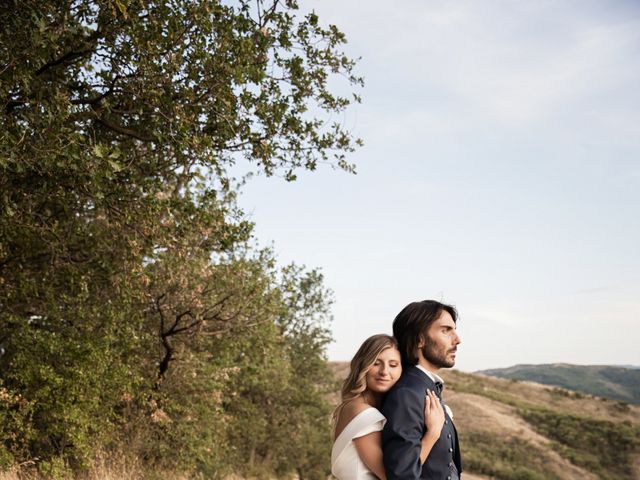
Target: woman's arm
369,449
369,446
434,420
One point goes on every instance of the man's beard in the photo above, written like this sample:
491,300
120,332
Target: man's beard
436,356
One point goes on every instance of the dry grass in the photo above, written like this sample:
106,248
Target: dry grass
476,414
105,467
11,474
471,476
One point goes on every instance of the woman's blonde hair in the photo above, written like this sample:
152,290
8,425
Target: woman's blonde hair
362,361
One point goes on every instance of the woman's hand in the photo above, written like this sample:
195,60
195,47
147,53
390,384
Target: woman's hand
433,414
434,420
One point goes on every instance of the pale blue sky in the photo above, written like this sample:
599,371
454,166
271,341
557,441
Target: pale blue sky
501,173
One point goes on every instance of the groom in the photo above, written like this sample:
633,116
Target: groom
427,337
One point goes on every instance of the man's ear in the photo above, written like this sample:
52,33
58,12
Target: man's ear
421,341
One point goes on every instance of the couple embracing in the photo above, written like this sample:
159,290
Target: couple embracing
392,422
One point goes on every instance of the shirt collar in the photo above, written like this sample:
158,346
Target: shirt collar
435,378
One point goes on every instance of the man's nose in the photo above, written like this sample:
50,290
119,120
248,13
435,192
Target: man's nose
457,340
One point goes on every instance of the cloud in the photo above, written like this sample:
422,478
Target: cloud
509,63
590,291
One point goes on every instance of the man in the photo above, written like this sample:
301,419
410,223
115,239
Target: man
427,337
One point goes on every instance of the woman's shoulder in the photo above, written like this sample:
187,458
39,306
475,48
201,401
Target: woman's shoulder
350,411
354,407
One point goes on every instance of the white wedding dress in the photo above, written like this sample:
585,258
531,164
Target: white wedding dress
345,462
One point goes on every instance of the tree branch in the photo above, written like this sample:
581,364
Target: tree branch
124,130
74,54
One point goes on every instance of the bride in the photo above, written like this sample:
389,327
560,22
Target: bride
357,450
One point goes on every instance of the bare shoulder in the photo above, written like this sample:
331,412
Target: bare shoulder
353,408
348,412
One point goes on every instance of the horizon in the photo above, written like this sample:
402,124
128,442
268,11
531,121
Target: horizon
628,367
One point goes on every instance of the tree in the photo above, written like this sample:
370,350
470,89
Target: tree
304,325
124,262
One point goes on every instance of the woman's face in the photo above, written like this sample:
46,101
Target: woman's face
386,370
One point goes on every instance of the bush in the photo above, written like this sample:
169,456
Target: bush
504,459
16,429
600,446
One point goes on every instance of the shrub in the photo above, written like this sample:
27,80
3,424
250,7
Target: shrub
600,446
504,459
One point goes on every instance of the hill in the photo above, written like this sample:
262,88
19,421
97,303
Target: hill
511,429
618,383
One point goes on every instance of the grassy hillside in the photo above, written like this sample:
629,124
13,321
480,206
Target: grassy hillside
525,431
618,383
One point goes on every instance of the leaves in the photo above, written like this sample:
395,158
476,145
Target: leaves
130,285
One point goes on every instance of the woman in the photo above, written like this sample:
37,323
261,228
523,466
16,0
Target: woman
357,449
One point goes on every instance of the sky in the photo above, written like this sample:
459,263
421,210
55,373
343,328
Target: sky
500,173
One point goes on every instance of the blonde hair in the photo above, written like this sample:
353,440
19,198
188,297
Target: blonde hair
362,361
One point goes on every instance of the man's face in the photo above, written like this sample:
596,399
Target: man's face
440,342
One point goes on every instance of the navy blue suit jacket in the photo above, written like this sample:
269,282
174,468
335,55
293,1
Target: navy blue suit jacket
403,408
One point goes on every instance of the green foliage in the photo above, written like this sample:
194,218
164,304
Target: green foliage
562,392
170,84
473,384
507,459
303,323
15,422
136,316
600,446
73,374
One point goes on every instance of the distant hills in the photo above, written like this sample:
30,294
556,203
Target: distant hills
615,382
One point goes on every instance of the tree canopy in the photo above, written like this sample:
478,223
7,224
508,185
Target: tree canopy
137,314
